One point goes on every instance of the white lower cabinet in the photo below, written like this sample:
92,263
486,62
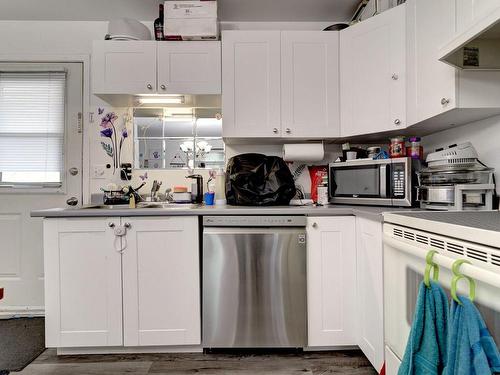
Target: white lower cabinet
83,283
370,301
161,282
154,266
331,281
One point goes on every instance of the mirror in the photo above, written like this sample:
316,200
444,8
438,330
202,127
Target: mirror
178,138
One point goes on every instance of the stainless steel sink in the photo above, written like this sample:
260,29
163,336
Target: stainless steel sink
143,205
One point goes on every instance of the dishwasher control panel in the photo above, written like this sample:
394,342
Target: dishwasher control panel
254,221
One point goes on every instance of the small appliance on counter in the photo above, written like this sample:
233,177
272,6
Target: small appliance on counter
456,180
381,182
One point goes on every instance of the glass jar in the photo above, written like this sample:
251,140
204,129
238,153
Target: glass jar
414,149
397,148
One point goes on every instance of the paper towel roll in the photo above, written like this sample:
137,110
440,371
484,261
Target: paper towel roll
305,152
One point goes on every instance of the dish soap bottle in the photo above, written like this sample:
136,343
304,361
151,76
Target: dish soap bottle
220,187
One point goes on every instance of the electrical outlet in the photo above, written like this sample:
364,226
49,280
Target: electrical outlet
99,172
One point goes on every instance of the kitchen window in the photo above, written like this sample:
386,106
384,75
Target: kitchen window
32,118
178,138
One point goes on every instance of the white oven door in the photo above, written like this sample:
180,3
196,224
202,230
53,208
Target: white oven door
403,273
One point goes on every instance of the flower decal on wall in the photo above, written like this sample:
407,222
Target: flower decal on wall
112,145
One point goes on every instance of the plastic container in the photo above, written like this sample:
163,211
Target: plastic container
414,149
397,149
220,187
209,198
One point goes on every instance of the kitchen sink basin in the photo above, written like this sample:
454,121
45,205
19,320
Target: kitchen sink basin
142,205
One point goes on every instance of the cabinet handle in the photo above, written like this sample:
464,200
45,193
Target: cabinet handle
397,121
111,225
315,225
275,130
127,225
288,131
445,101
150,86
395,77
163,87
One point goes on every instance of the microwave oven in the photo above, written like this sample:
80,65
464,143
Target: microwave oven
385,182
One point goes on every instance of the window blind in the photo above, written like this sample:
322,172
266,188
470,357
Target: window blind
32,117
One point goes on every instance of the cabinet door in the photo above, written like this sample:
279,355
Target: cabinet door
251,83
435,82
373,74
470,11
370,306
124,67
310,104
83,303
331,281
189,67
161,282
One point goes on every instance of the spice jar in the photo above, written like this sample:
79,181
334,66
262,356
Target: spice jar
414,149
397,149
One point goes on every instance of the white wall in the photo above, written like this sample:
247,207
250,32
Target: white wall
484,135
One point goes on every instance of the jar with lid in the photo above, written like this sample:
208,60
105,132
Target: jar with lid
415,149
397,148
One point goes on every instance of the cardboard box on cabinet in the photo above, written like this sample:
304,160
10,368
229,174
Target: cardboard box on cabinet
191,20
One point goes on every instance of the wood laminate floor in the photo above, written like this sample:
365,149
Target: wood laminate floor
340,362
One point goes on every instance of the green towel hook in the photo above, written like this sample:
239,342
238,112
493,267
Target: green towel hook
457,276
431,266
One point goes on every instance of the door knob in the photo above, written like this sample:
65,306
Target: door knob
445,101
73,201
127,225
275,130
149,86
288,131
397,121
315,225
163,87
395,77
73,171
111,225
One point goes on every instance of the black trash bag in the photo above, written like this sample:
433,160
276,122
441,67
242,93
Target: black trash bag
258,180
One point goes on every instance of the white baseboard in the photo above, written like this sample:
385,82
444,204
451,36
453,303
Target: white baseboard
130,350
329,348
9,312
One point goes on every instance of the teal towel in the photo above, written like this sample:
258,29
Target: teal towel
472,350
426,351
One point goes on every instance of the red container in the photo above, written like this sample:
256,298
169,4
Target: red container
397,148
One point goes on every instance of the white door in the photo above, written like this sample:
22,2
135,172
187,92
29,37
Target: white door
331,281
40,167
436,82
251,83
370,285
83,283
161,282
189,67
124,67
310,103
373,74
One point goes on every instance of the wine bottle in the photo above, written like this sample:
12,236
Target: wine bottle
159,25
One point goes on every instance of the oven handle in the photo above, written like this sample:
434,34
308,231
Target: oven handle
479,274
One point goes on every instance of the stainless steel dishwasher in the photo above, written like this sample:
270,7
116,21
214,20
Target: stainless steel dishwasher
254,282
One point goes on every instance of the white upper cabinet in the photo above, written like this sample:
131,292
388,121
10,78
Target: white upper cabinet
471,11
120,67
161,282
251,83
189,67
280,84
150,67
83,285
440,96
373,74
331,281
310,103
435,82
